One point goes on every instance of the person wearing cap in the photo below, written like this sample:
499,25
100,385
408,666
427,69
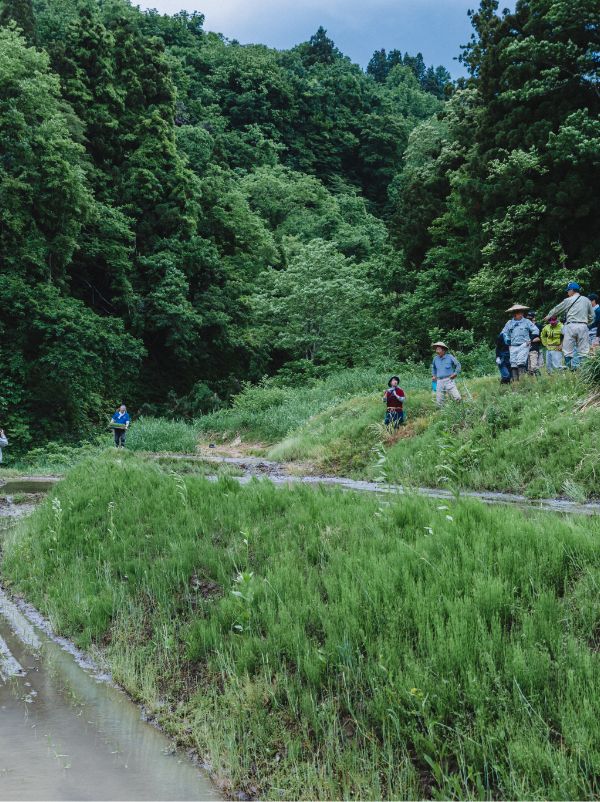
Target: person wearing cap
534,362
518,333
394,398
594,341
552,336
444,369
578,315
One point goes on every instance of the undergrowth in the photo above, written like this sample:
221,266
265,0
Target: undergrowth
320,644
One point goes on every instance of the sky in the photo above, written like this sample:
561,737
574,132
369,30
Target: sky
436,28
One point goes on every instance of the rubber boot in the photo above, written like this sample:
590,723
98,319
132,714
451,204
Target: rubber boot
514,374
568,360
522,370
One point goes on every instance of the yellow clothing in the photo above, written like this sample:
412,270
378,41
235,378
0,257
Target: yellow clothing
551,335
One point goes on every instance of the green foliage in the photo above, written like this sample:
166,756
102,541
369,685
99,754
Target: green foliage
226,212
500,206
430,650
322,307
274,408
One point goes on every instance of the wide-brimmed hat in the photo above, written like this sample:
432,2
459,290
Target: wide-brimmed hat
441,345
518,308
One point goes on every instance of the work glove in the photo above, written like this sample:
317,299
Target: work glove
498,360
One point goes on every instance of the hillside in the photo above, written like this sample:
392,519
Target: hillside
208,213
527,438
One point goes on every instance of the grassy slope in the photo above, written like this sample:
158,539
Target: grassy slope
524,438
318,645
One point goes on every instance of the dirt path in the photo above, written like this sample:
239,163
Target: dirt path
283,473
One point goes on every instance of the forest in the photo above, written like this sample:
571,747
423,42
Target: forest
180,214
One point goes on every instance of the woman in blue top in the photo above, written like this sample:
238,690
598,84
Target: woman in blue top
122,418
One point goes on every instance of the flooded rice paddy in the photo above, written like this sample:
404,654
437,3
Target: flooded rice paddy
66,731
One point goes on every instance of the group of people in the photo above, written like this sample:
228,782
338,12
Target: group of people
571,330
569,334
445,367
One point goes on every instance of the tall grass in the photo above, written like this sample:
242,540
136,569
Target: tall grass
162,434
270,411
318,644
529,438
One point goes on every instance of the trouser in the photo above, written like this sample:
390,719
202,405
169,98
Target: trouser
576,336
394,417
554,361
119,437
444,386
504,368
534,362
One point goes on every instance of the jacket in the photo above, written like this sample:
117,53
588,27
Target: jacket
3,444
577,309
519,332
394,397
118,418
552,336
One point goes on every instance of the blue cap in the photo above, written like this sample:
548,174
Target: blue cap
573,285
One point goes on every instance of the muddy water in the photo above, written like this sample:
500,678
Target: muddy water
33,485
67,734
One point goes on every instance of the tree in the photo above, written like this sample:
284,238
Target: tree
19,12
44,197
321,307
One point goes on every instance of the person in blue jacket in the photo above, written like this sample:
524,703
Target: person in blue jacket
121,417
503,359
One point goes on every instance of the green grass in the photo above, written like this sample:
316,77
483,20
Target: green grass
270,411
162,434
320,644
528,438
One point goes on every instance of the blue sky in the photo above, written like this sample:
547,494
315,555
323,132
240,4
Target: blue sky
436,28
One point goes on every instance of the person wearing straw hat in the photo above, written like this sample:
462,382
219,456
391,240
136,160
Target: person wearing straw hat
579,314
444,369
518,333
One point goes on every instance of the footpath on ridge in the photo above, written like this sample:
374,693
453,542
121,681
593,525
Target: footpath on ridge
281,473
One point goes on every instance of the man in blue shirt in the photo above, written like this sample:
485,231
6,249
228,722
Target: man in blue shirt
444,369
122,420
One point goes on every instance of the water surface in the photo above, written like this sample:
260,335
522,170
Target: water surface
65,735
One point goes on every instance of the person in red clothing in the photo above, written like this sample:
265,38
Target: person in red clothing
394,399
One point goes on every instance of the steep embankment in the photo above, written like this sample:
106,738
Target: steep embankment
528,438
320,644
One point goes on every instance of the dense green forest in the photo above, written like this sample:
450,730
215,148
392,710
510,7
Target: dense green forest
180,213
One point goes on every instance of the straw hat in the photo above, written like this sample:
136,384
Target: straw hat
442,345
518,308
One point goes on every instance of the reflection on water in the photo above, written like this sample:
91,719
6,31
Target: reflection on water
13,486
64,735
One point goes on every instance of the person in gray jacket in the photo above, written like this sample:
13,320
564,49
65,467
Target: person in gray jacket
3,442
518,334
579,315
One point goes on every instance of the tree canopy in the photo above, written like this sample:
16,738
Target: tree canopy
180,213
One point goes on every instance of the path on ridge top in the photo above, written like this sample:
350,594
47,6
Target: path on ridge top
279,473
